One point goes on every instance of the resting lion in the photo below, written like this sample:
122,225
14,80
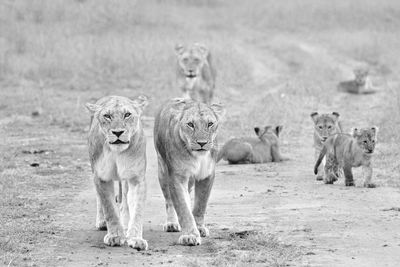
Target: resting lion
117,150
347,151
263,149
185,140
360,85
195,72
325,125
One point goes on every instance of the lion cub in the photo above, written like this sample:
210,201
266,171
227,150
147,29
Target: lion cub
195,72
347,151
360,85
117,151
325,125
263,149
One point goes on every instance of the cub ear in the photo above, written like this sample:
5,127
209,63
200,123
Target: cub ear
92,107
278,130
336,114
375,130
257,130
354,132
140,102
314,115
219,110
179,48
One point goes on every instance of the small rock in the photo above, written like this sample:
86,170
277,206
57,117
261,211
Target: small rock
34,164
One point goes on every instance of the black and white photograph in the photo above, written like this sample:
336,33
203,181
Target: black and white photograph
200,133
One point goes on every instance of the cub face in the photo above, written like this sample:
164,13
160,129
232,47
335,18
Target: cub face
325,124
191,59
118,119
269,134
361,75
366,138
198,126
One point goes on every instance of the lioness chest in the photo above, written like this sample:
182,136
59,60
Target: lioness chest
202,167
112,165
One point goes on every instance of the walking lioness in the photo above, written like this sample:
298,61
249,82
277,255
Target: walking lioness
117,151
325,125
347,151
195,72
263,149
185,140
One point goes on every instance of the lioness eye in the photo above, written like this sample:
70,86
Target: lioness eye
329,127
190,124
320,127
107,116
365,142
127,115
210,124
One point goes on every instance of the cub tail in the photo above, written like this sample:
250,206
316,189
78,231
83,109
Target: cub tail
320,158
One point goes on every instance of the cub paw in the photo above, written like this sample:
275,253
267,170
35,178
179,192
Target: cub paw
172,227
350,183
189,240
137,243
101,225
113,240
204,232
369,185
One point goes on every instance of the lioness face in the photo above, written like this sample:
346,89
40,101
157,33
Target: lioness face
325,124
198,126
366,138
191,59
118,119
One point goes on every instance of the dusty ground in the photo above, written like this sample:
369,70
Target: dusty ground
267,214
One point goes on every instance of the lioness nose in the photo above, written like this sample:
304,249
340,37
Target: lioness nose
117,133
202,143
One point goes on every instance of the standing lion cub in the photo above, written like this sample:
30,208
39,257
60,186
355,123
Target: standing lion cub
185,140
263,149
117,151
345,152
195,72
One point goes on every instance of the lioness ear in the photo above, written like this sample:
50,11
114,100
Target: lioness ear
354,132
140,102
314,115
257,130
179,48
278,130
219,110
203,49
335,114
92,107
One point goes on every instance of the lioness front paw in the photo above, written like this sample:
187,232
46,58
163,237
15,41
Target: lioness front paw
172,227
137,243
349,183
204,232
101,225
189,240
369,185
319,178
113,240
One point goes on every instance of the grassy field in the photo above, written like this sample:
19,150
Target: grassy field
56,55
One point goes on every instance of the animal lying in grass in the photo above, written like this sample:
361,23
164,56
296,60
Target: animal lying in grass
344,152
360,85
263,149
325,125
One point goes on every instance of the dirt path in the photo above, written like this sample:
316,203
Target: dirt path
332,225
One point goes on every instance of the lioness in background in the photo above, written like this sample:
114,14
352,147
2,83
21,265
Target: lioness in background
117,151
347,151
263,149
360,85
185,140
195,73
325,125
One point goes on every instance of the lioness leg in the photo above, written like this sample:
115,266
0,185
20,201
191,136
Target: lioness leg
100,221
172,224
124,209
178,188
367,175
136,202
348,176
115,234
202,193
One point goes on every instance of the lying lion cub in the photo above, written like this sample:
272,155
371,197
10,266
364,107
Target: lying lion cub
263,149
347,151
117,150
185,139
360,85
